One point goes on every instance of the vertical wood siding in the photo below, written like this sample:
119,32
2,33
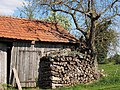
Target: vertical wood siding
26,58
3,64
28,70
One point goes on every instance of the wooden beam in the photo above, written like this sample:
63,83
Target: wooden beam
17,79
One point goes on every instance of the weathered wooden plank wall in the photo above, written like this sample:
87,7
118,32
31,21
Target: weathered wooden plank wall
28,70
25,57
3,63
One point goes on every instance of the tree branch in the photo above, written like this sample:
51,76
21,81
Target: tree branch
76,24
88,5
75,9
74,19
111,5
107,18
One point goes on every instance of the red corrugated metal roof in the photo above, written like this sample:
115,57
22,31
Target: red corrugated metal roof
24,29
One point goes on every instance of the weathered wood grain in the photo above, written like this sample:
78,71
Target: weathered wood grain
3,63
17,79
65,69
25,57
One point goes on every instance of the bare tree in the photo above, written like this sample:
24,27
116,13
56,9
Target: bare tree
86,14
29,9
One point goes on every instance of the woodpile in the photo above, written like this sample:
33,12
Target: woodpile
66,68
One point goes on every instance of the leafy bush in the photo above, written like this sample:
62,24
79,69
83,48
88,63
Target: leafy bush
115,59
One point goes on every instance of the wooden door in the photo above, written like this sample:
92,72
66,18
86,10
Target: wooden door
28,67
3,63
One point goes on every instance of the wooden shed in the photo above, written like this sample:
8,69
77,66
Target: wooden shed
23,42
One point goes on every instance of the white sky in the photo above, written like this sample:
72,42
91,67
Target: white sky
7,7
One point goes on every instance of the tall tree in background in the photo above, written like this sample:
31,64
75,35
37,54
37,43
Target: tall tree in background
105,38
87,15
91,17
60,19
29,9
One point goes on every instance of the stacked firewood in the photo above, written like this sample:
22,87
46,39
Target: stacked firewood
65,68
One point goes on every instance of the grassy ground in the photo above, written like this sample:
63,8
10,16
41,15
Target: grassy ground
110,82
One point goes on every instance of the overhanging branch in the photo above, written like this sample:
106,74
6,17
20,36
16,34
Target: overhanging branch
74,19
107,18
109,6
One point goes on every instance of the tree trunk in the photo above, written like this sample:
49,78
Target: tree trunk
91,44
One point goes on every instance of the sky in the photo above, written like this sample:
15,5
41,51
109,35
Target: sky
8,7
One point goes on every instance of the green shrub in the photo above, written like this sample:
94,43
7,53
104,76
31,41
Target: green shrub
115,59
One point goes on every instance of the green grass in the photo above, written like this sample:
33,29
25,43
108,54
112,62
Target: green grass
110,82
